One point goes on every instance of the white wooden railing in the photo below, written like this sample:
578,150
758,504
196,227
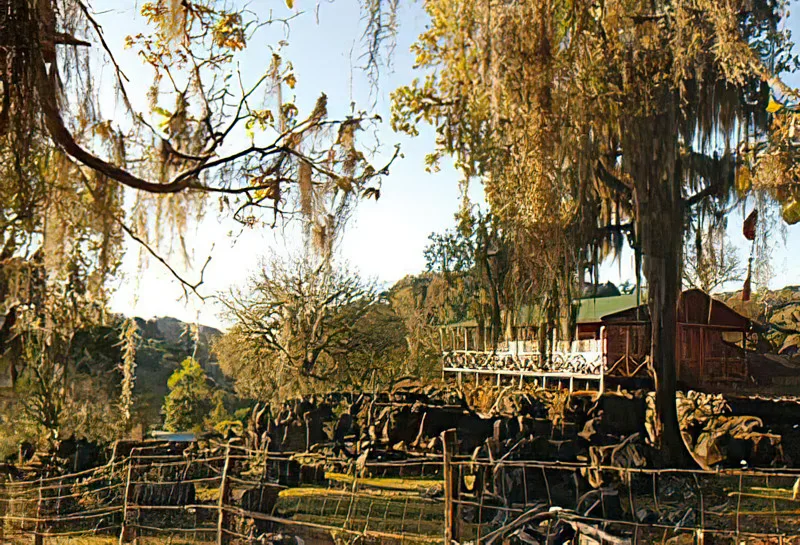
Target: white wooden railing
577,360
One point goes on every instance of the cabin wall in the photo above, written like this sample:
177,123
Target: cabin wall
627,348
704,356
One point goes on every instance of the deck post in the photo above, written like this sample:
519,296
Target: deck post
603,359
452,523
628,352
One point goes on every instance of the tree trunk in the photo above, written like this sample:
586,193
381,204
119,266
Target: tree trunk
567,312
496,322
664,288
657,172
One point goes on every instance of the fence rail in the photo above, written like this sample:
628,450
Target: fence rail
229,494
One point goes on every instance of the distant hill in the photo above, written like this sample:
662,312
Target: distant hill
165,343
178,334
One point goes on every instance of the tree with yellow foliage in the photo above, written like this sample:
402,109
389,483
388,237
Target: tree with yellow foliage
591,122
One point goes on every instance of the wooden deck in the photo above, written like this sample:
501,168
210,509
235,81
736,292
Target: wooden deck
577,364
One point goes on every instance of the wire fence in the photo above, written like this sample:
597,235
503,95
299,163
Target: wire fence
524,501
226,494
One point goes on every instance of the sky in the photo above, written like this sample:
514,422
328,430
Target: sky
385,239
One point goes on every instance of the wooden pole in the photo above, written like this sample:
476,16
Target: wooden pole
223,493
37,530
61,483
451,509
628,354
603,359
3,507
127,534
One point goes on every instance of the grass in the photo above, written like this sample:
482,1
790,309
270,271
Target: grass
388,483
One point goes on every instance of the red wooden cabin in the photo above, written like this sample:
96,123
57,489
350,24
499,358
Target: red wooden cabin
710,343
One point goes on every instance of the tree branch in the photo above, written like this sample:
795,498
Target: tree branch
612,182
719,174
185,284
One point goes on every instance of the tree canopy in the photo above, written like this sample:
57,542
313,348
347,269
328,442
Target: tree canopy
190,398
212,135
302,327
75,185
591,122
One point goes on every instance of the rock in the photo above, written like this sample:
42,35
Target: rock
684,538
627,454
620,414
646,515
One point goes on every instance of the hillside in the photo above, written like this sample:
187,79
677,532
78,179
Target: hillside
165,342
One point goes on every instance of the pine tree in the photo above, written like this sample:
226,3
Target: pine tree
190,398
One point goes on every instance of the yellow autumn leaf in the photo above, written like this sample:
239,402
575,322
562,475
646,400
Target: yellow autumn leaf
290,4
165,115
744,181
791,212
774,106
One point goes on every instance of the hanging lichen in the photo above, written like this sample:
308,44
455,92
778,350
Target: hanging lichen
591,122
129,339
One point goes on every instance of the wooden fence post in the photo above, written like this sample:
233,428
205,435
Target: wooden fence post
452,519
223,496
126,533
37,530
3,507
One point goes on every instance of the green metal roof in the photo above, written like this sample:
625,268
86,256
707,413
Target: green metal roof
592,310
464,323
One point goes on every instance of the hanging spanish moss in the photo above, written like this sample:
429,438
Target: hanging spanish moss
593,125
